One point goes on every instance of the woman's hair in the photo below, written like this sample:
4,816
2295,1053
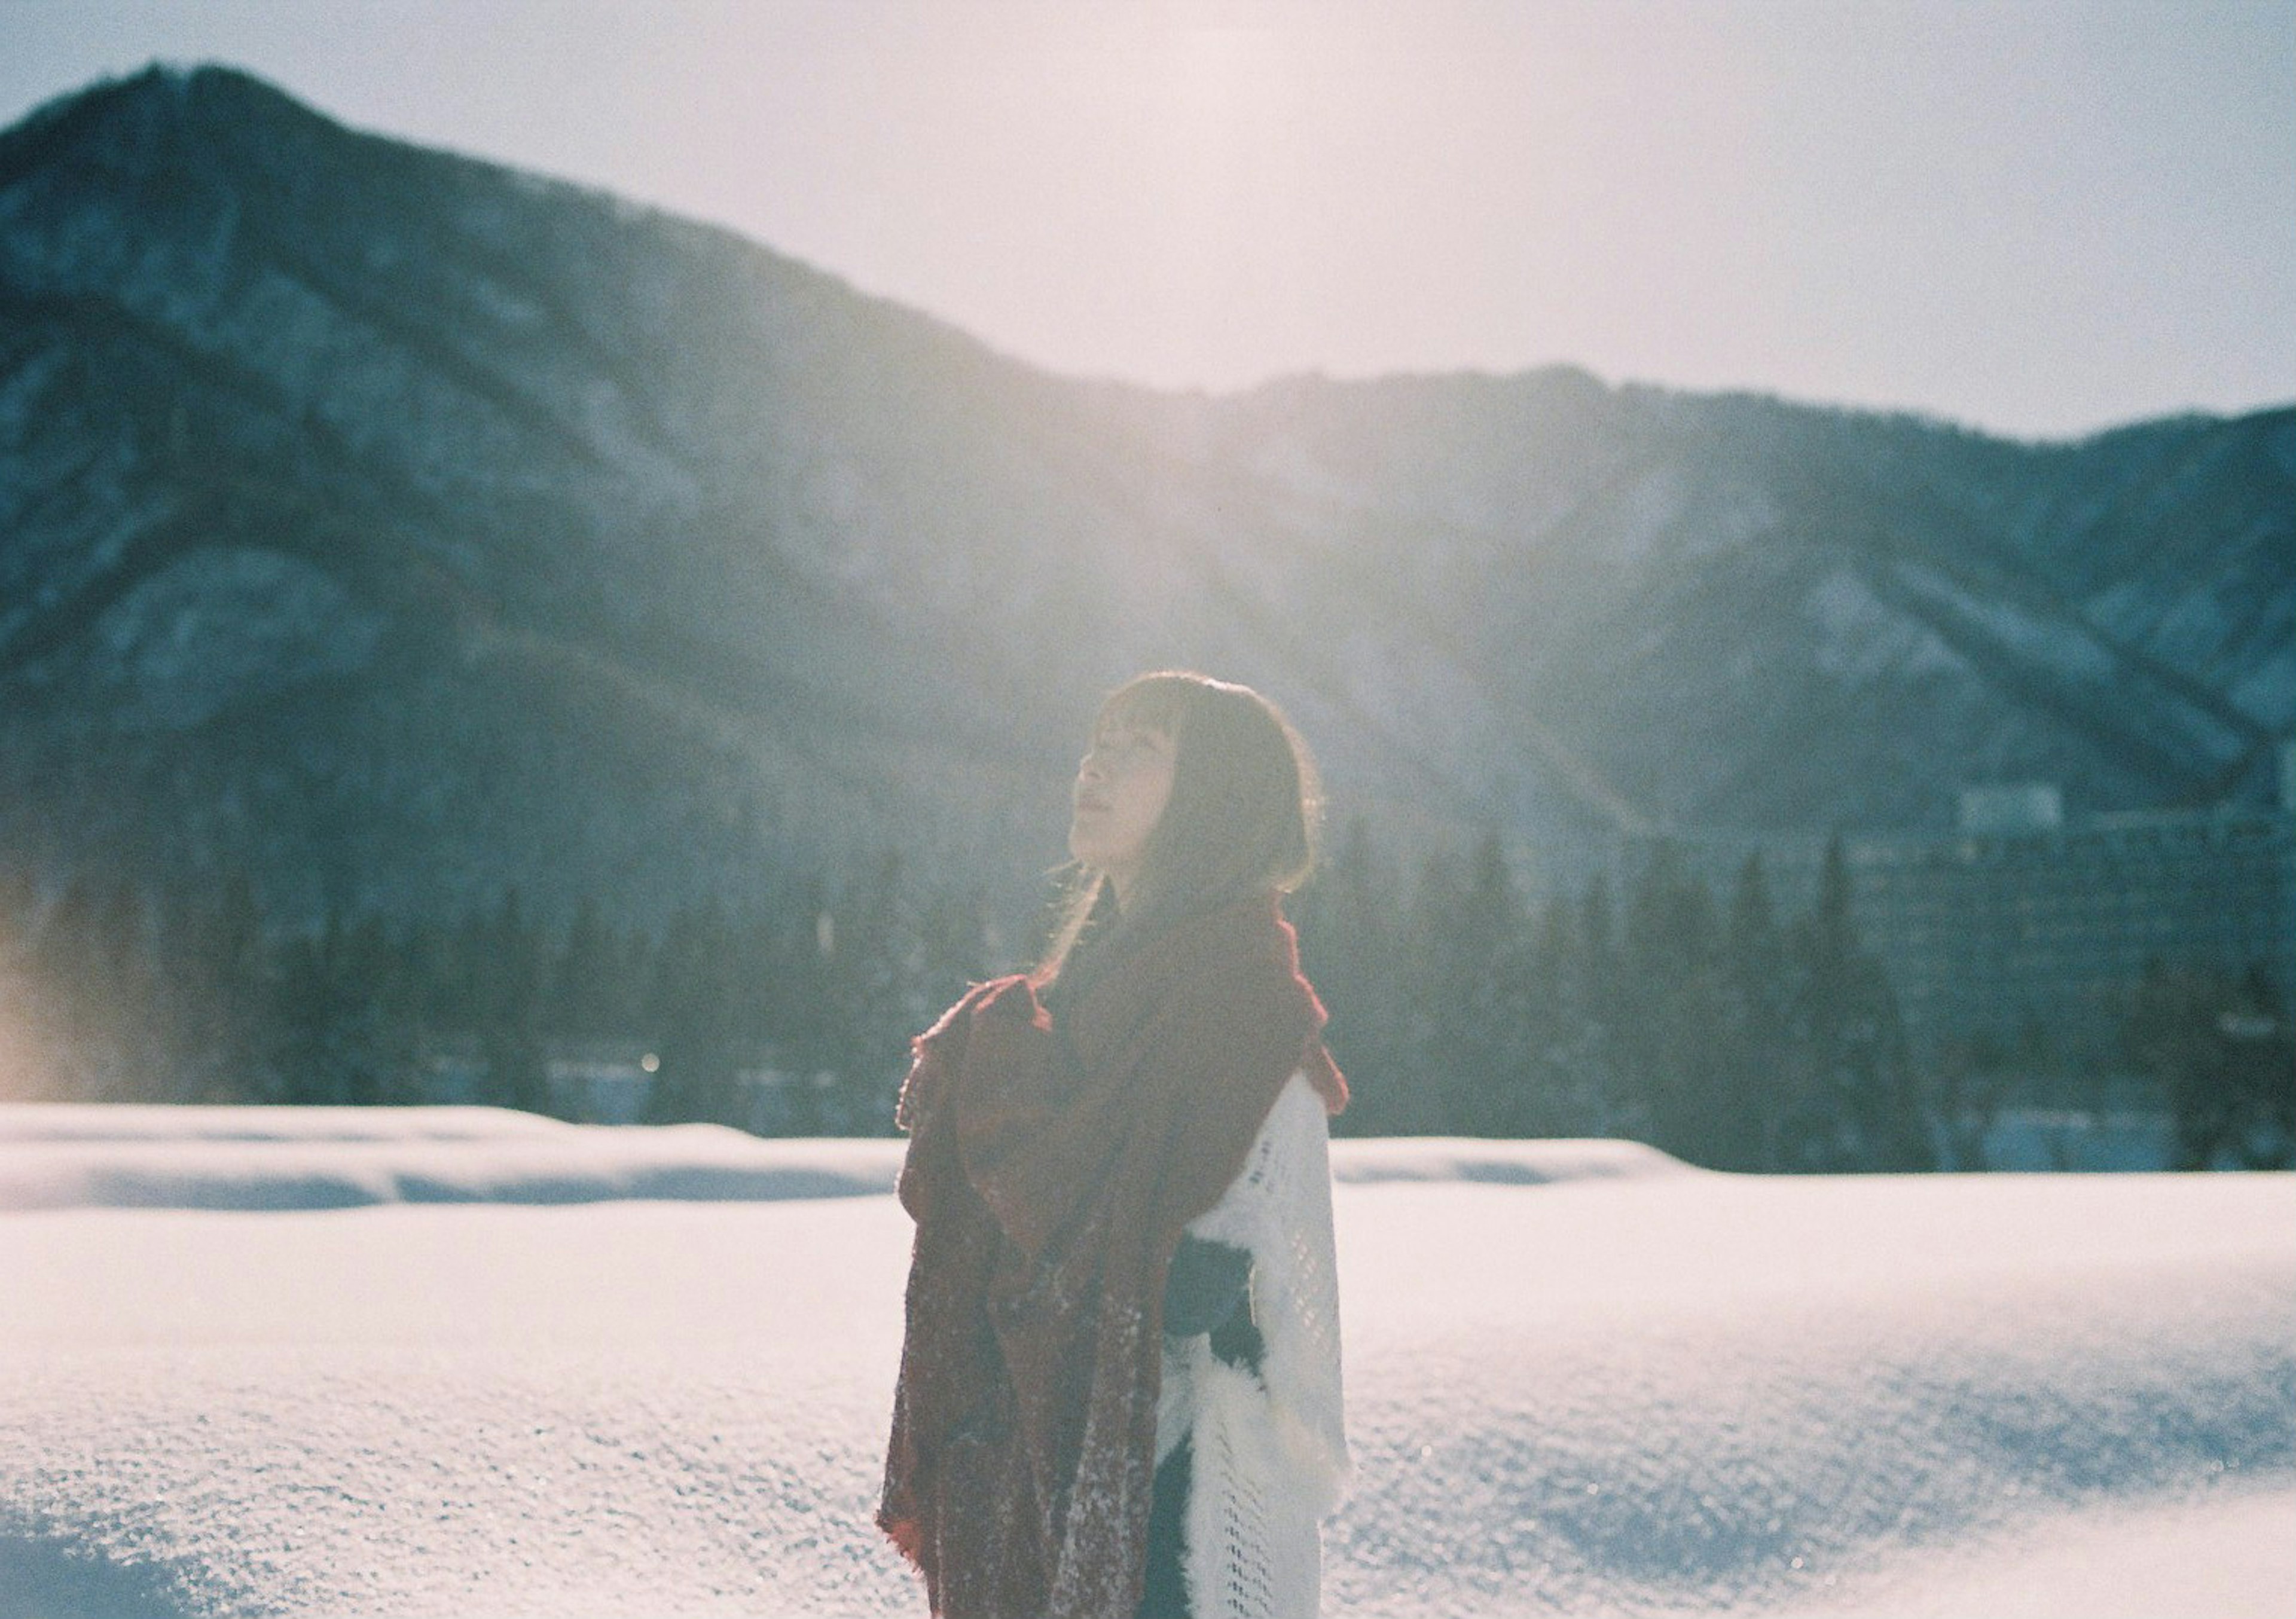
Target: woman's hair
1243,817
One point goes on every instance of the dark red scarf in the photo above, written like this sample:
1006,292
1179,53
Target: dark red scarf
1050,1173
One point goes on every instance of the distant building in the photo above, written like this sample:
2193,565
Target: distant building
1983,932
2021,916
2025,806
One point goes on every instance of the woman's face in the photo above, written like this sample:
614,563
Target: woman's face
1120,790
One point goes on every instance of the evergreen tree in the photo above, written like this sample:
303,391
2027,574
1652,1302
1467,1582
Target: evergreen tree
336,1042
456,991
761,945
507,999
239,984
428,986
1671,1006
2263,1063
1754,1035
21,1062
1592,1008
382,1005
2220,1050
214,990
1855,1101
1481,1038
1425,1103
1567,1095
1352,946
883,969
810,1035
692,1010
131,1030
91,982
953,954
61,962
588,996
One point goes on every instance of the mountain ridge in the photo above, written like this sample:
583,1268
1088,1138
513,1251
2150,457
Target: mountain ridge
408,527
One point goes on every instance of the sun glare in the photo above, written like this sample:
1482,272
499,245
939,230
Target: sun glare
1217,140
1210,76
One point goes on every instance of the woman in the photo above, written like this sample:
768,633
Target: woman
1119,1393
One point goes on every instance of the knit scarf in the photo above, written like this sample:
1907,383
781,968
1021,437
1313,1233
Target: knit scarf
1050,1171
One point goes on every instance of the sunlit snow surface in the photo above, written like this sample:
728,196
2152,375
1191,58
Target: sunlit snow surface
462,1362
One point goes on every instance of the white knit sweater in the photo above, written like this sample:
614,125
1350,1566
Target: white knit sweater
1270,1451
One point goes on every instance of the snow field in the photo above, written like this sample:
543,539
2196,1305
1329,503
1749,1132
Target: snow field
1581,1378
1713,1395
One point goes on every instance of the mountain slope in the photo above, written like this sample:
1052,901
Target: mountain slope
407,527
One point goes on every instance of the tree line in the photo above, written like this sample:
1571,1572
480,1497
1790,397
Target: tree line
1721,1031
787,1012
1727,1033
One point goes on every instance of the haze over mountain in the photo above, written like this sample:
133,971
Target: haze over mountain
408,527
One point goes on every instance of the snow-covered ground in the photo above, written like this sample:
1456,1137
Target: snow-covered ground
464,1362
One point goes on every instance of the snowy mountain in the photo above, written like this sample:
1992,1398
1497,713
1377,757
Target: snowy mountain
407,526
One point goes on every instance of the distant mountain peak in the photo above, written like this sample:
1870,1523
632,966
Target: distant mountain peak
160,106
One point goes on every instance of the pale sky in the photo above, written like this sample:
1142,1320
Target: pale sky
2038,217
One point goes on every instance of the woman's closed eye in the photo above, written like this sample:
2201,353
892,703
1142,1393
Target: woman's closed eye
1123,750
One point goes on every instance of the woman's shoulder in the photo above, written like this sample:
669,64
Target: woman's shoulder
1300,1105
1299,1129
1292,1141
1014,994
1288,1162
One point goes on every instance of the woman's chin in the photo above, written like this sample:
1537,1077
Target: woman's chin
1086,848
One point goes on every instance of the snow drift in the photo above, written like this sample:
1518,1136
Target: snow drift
1582,1377
65,1156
